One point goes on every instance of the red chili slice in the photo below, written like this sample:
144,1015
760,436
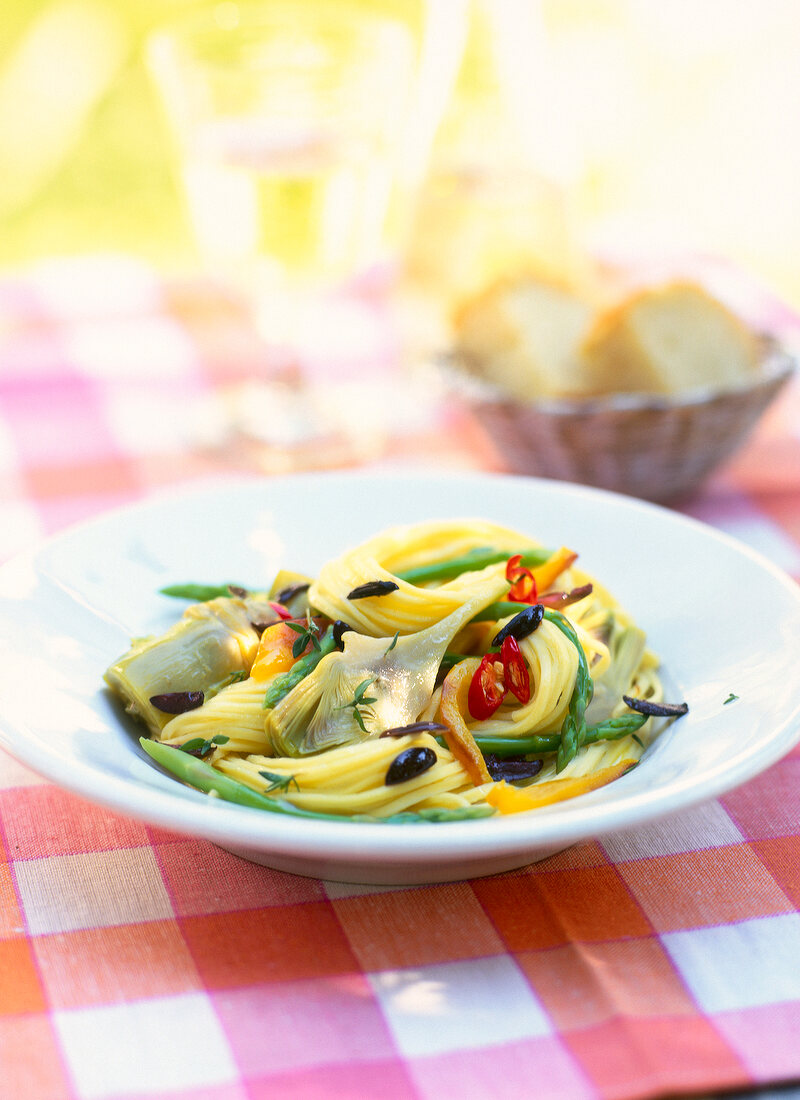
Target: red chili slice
486,688
515,671
523,583
281,611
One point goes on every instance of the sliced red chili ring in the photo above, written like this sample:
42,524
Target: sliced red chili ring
486,688
515,671
281,611
523,583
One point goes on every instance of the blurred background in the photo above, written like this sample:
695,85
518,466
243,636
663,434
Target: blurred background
566,124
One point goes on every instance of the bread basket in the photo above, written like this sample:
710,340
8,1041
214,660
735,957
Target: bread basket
656,447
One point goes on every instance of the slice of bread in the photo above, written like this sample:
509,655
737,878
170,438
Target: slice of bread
523,335
668,339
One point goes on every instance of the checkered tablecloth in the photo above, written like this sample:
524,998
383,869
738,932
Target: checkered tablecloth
137,963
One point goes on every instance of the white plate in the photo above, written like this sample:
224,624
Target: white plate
722,618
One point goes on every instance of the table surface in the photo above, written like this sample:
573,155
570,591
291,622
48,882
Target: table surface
139,963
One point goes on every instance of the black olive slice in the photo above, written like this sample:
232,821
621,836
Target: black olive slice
339,628
177,702
289,593
521,625
408,764
655,710
511,768
372,588
415,727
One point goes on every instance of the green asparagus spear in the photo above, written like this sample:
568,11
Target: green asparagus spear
437,813
573,730
199,593
474,560
197,773
283,684
542,744
500,610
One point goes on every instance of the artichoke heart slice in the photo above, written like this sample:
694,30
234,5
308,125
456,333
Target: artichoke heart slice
211,641
372,685
627,644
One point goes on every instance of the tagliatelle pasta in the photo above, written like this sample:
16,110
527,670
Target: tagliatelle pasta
414,678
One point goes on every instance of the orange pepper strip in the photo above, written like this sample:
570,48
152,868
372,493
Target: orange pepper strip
459,738
548,572
513,800
274,654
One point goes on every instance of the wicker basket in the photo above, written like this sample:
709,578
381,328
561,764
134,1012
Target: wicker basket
657,448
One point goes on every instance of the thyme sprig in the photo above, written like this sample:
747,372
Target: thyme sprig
308,632
200,747
278,782
360,700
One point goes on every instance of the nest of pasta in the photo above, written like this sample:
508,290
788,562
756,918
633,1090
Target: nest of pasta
439,671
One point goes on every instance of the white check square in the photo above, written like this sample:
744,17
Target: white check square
693,830
140,348
91,890
452,1006
146,1047
740,965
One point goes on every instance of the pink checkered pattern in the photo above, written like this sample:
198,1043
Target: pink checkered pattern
136,963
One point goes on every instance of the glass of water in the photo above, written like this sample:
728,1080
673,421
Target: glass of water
291,123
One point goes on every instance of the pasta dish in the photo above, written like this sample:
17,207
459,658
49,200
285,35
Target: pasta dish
438,671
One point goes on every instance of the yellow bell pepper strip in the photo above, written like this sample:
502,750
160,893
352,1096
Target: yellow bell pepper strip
458,735
274,654
513,800
546,574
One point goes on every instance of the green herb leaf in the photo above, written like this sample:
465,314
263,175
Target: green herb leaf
360,700
731,699
393,643
308,633
197,746
279,782
362,687
286,681
233,678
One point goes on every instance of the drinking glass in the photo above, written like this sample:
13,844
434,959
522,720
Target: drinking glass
290,120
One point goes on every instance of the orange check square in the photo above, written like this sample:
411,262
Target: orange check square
417,927
588,854
202,878
584,984
73,825
30,1062
781,857
387,1079
549,908
11,923
697,889
525,1069
649,1057
280,943
79,478
768,805
20,988
781,506
125,962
